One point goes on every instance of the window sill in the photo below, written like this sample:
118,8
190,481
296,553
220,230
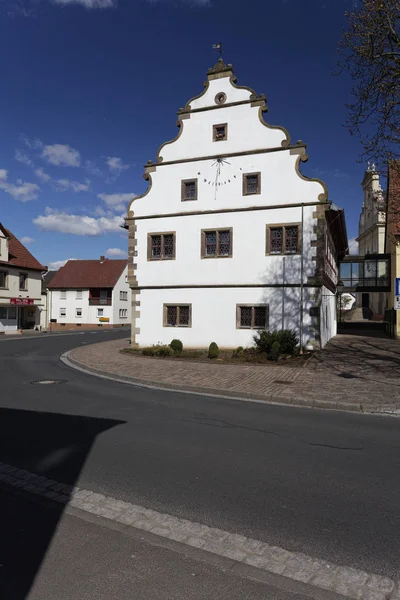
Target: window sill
160,259
283,254
217,256
189,199
251,193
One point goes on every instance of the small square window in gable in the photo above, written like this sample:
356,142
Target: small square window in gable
189,190
220,132
251,184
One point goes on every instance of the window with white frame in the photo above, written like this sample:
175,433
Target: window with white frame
63,312
63,294
123,313
100,312
123,295
78,313
78,295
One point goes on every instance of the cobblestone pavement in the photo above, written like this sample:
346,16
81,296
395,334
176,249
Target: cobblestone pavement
356,373
346,581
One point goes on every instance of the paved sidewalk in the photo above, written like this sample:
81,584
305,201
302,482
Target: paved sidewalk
355,373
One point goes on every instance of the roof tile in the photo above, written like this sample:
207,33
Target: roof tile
19,256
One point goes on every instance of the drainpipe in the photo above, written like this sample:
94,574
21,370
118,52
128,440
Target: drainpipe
283,291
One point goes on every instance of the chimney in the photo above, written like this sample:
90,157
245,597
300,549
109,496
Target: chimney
102,259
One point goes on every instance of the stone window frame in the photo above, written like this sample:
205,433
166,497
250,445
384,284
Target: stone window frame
177,305
217,231
245,190
149,245
25,275
252,306
183,188
215,127
6,276
283,226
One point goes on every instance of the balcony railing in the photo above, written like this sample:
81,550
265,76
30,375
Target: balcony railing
100,302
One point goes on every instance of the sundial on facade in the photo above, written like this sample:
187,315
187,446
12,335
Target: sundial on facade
219,174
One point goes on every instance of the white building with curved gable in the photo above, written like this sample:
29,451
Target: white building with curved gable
230,237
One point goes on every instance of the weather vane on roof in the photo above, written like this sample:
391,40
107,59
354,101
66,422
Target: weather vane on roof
218,47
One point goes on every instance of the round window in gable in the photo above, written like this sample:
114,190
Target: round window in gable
220,98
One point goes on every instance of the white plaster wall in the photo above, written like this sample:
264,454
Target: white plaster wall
280,185
89,313
249,263
122,285
214,315
328,318
34,285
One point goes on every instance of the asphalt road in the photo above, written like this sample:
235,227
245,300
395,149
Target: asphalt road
323,483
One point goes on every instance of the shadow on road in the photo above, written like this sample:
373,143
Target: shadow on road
53,445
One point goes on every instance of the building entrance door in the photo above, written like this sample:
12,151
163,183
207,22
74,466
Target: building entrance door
365,300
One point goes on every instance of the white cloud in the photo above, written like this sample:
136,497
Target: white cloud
42,175
353,246
21,191
93,169
34,144
63,185
23,158
116,165
61,155
27,240
116,252
57,264
117,202
90,4
78,224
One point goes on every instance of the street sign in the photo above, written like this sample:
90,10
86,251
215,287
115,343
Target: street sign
397,302
397,286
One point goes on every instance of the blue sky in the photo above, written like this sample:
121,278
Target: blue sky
90,89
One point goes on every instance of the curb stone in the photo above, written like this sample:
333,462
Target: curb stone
319,574
300,402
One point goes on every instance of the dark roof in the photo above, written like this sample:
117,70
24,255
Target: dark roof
47,277
88,274
18,255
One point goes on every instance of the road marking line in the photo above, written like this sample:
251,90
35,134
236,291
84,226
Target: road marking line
351,583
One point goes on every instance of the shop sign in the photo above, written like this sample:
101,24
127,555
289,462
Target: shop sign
22,301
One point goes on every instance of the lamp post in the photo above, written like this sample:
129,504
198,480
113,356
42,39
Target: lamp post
340,290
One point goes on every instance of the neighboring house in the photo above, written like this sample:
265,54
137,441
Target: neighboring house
45,312
393,237
20,285
371,239
230,237
90,293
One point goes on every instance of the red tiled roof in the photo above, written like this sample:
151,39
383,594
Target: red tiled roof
88,274
18,255
393,199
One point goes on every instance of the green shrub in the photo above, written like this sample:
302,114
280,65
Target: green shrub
162,351
213,350
263,341
286,338
149,351
176,346
288,341
275,351
238,352
157,350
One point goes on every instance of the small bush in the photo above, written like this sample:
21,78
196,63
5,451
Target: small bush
286,338
176,346
263,340
157,350
149,351
288,341
162,351
275,351
213,350
238,353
